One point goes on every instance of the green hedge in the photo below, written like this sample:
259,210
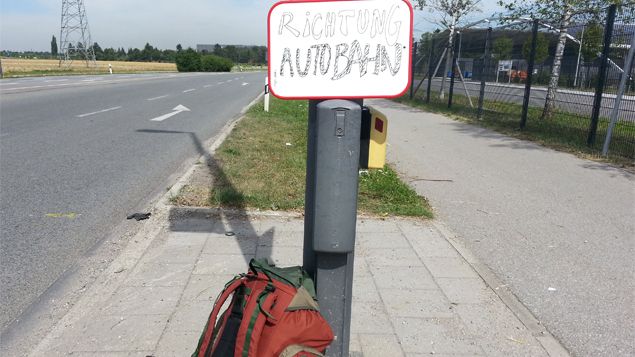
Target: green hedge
211,63
191,61
188,61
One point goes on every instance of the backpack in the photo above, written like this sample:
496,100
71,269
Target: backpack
273,312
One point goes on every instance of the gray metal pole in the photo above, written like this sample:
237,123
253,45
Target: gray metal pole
467,93
486,64
454,53
308,258
530,74
430,70
620,93
577,66
332,182
414,65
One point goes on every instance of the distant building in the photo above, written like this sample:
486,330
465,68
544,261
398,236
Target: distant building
205,48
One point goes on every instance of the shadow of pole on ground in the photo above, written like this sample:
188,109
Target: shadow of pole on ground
234,222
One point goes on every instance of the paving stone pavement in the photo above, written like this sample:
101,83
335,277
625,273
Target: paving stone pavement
413,295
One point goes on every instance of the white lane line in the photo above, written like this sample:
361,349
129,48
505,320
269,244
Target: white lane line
159,97
208,85
245,83
221,82
8,84
56,80
189,90
236,78
98,112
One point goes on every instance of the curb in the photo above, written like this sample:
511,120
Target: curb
118,270
216,143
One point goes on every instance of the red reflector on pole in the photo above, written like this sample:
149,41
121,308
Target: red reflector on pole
379,125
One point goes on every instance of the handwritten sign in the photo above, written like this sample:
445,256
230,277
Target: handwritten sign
340,49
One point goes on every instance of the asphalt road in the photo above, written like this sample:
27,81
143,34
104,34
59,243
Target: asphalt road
556,229
570,101
78,154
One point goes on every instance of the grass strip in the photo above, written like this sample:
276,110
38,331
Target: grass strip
262,165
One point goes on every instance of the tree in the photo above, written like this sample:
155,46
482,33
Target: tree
168,55
121,54
560,14
448,14
54,47
502,48
99,53
231,53
147,54
179,48
218,50
542,48
592,41
188,61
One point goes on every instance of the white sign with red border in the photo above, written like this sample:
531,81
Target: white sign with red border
340,48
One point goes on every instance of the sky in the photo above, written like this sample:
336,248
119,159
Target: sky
29,24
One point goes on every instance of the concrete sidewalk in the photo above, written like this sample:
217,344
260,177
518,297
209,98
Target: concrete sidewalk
414,293
556,229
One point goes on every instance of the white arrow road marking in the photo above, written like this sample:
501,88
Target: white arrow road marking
98,112
245,83
178,109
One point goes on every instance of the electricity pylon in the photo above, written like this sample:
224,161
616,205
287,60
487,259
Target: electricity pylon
75,42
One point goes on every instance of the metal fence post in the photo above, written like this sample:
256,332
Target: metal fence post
430,70
530,73
599,89
628,66
414,65
454,59
486,64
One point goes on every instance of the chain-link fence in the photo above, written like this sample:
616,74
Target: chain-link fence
506,76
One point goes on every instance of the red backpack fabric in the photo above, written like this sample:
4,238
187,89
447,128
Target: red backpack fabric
273,312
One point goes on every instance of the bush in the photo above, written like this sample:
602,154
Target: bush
211,63
188,61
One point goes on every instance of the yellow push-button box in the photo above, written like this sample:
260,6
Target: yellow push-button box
373,139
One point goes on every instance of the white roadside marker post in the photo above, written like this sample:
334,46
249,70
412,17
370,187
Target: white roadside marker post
267,94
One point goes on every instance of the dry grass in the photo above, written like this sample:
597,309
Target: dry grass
19,66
